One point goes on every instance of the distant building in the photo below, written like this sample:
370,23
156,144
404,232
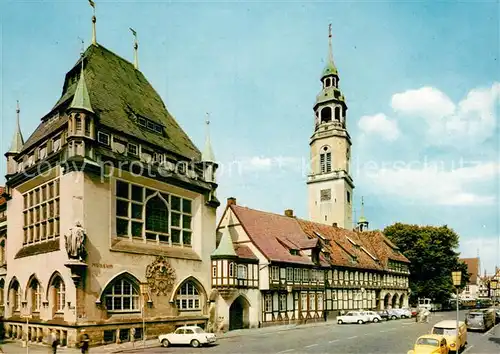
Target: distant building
111,213
471,290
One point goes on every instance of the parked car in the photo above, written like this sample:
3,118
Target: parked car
394,314
187,335
372,316
497,315
430,344
353,317
384,314
405,313
448,329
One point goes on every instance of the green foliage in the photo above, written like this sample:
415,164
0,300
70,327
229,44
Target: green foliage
431,251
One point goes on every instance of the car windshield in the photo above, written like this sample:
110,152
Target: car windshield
428,341
444,331
197,330
474,316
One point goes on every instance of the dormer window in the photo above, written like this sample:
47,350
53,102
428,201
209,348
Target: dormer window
43,152
133,150
103,138
56,143
294,252
150,125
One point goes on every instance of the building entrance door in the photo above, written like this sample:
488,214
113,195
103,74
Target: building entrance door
238,313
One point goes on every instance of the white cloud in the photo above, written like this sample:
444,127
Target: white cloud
470,122
487,247
258,162
426,102
432,182
380,125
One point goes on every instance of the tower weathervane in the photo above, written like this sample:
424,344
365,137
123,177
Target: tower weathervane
136,46
330,50
94,37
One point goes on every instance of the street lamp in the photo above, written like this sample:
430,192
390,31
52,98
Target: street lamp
457,281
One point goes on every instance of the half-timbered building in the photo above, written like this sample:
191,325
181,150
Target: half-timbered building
307,271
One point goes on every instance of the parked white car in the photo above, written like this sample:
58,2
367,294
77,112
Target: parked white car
372,316
187,335
353,317
405,313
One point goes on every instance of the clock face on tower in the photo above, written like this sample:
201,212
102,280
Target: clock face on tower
325,195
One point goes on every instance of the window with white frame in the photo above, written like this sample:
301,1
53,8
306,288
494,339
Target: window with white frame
319,297
242,271
268,303
325,160
152,215
103,138
312,301
42,153
15,296
59,294
41,213
289,274
188,297
282,302
296,275
56,143
133,150
214,271
231,269
274,273
304,301
122,296
35,295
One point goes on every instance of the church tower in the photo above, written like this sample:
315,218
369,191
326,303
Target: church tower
330,187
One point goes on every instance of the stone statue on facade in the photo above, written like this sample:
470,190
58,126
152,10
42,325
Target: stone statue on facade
75,242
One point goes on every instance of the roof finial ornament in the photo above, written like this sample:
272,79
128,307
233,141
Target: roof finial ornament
136,46
94,36
330,50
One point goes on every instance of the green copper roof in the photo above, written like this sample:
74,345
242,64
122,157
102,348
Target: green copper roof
81,99
330,69
329,94
362,220
119,94
226,247
17,143
208,154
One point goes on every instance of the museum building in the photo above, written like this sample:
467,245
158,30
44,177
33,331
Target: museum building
111,213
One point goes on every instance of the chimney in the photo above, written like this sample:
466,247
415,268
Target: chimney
289,213
231,201
334,224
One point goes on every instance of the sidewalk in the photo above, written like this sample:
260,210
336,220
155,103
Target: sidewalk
15,347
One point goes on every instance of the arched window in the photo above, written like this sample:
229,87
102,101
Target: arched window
242,271
337,114
328,82
35,295
325,160
78,123
326,115
58,294
231,269
15,296
122,296
188,297
157,219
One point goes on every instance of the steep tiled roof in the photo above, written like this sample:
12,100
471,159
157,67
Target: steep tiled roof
119,93
266,229
2,199
275,235
382,247
244,252
344,245
472,268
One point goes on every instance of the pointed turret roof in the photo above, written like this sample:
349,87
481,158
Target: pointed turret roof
17,140
208,154
226,246
81,99
330,68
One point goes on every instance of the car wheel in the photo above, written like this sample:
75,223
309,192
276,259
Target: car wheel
360,321
340,322
375,320
165,343
393,317
195,343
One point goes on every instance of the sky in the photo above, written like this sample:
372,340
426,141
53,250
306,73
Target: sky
421,81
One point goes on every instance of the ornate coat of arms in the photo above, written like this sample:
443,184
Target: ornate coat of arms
160,276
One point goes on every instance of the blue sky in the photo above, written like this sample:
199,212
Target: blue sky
421,81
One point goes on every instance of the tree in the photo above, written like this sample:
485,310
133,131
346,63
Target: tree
432,253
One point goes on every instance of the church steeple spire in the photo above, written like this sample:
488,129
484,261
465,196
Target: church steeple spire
208,153
81,99
330,68
17,140
362,222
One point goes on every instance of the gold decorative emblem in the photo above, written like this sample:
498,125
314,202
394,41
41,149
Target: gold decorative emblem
160,276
